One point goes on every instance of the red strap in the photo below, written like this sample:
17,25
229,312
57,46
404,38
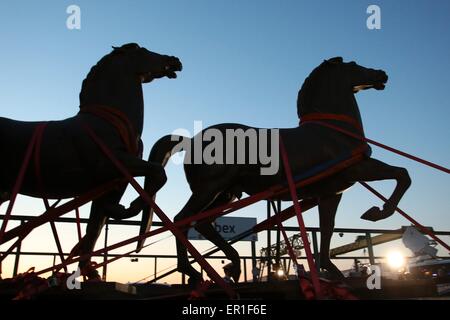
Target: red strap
77,216
37,166
20,177
406,216
331,116
404,154
199,292
312,267
120,121
378,144
161,215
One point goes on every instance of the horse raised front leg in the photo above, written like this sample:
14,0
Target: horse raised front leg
155,180
373,170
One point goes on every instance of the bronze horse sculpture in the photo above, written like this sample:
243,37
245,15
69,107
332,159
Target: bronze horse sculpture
329,89
70,162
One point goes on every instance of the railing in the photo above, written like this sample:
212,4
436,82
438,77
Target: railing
245,259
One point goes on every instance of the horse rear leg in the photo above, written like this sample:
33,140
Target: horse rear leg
373,170
210,233
327,213
199,201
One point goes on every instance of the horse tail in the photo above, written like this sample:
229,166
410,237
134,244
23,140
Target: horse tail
161,152
164,148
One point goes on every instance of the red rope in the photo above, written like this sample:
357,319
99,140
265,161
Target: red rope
313,119
40,182
331,116
298,211
166,221
223,210
291,253
20,177
77,216
405,215
378,144
120,121
216,211
56,212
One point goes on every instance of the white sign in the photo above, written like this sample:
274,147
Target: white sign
229,227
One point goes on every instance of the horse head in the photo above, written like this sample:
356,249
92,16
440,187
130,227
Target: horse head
330,87
116,80
147,65
130,62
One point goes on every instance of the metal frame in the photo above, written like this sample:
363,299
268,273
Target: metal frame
54,212
130,223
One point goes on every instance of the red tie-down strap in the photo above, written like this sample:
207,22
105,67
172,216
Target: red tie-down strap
23,169
199,292
29,283
318,118
328,289
120,122
331,116
161,215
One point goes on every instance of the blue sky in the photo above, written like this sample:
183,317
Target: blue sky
244,61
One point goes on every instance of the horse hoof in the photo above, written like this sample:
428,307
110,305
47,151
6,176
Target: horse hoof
373,214
91,273
233,271
236,274
117,211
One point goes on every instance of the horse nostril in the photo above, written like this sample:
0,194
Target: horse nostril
177,64
383,76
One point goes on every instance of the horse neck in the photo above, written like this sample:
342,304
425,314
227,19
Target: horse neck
128,100
344,107
351,109
133,108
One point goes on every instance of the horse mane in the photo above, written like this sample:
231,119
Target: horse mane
309,88
94,71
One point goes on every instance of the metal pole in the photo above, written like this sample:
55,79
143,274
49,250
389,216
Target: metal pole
289,266
269,244
370,248
254,276
156,266
277,259
316,250
16,260
105,255
245,270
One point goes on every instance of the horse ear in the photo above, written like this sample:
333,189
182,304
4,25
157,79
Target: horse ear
335,60
126,47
